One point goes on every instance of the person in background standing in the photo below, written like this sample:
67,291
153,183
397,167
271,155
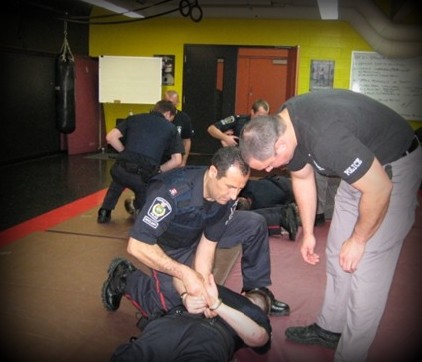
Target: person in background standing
183,124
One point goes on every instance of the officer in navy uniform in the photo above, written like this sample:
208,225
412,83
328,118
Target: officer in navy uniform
183,124
228,130
148,137
190,211
190,336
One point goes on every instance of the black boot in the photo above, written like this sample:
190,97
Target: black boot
313,334
114,287
130,207
319,219
104,216
290,220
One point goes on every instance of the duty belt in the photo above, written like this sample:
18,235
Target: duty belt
413,146
131,167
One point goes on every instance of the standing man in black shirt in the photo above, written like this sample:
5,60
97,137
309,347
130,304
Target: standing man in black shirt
188,213
183,124
379,160
147,137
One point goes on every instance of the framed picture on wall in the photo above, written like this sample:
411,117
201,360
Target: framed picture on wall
322,74
167,69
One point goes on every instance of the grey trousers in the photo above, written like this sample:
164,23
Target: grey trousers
354,302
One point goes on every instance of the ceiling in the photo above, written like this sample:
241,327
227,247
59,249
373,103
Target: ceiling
391,27
396,11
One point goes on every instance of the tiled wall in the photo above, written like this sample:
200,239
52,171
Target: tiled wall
317,40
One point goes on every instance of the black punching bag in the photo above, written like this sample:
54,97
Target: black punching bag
65,90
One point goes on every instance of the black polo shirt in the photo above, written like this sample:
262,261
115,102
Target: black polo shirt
340,132
183,124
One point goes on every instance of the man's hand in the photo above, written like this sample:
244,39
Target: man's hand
230,140
195,299
350,255
307,250
194,283
194,304
212,296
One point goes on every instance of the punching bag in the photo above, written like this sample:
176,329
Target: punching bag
65,90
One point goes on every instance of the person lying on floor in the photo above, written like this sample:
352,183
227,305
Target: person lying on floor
272,197
230,321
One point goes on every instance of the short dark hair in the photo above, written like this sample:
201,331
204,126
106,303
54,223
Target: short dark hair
225,157
164,106
260,299
260,103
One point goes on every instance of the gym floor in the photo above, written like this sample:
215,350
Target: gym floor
54,258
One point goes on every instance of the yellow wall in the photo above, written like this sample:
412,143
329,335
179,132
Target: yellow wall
317,39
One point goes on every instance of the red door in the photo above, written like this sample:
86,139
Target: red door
86,137
264,73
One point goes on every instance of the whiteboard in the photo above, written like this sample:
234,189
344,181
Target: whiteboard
129,80
397,83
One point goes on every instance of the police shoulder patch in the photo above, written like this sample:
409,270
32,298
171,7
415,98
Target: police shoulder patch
159,209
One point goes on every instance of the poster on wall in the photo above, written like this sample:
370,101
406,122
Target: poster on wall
167,69
322,74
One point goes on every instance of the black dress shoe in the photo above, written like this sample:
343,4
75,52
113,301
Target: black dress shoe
277,307
313,334
114,287
104,216
130,207
319,219
290,220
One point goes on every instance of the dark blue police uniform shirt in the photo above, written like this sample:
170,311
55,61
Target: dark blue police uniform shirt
151,135
235,123
176,214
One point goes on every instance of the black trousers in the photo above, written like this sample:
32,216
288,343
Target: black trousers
123,179
249,229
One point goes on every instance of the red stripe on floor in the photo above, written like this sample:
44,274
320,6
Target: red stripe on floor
51,218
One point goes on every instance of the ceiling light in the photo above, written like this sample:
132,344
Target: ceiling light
109,5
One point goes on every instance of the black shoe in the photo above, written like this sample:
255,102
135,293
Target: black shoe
278,308
130,207
319,219
313,334
114,287
104,216
290,220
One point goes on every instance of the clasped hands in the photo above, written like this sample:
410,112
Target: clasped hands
205,302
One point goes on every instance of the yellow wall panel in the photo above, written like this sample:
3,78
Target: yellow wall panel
317,39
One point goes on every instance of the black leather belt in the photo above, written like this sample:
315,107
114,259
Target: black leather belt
413,146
